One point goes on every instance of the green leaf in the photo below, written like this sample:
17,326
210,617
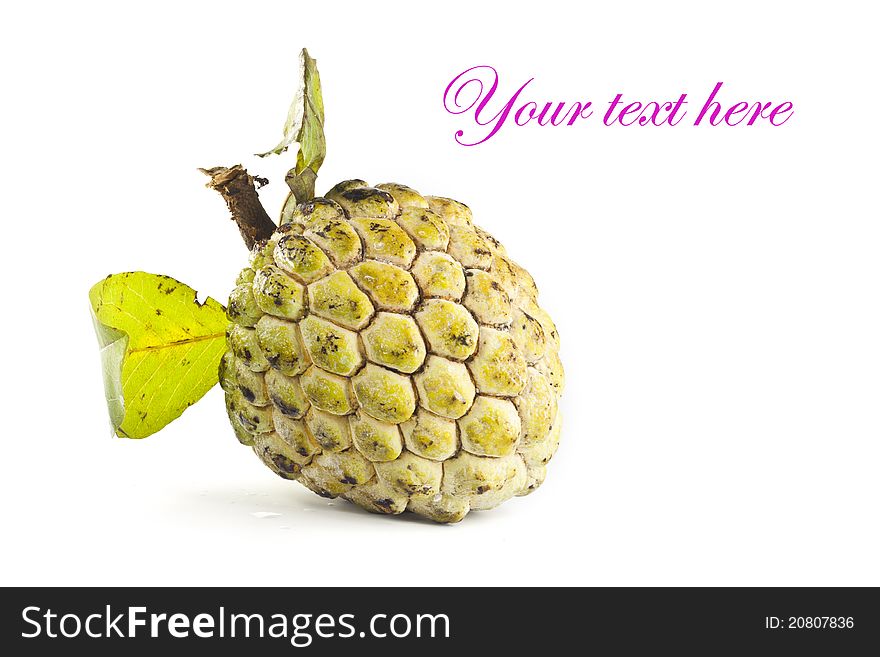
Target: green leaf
305,120
160,348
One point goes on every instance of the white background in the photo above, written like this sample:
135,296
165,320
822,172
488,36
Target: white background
716,289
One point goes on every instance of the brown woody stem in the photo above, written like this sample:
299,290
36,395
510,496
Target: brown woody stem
238,189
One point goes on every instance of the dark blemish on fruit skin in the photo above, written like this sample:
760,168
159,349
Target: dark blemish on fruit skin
363,193
286,409
324,493
302,451
326,442
329,343
347,479
247,393
296,247
245,421
488,237
462,339
481,490
283,463
385,503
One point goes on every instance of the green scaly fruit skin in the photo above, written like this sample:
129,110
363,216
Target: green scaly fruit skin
384,349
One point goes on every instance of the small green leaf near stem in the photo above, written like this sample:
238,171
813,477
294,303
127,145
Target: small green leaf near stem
305,127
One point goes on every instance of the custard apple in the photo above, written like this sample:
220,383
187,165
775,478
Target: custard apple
384,349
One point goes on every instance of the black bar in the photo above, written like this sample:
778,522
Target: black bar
510,621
